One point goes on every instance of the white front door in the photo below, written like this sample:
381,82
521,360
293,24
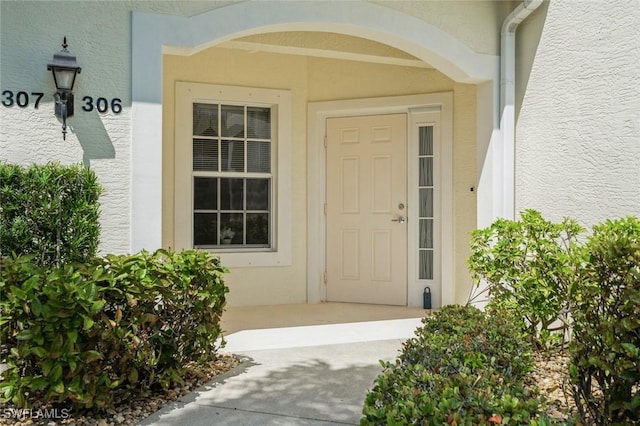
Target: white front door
366,209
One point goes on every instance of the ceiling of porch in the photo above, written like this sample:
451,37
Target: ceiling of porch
325,45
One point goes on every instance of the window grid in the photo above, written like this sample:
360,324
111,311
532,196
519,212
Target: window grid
231,223
426,192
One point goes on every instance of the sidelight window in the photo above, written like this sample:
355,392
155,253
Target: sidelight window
426,187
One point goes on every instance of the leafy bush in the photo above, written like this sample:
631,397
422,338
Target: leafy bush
463,367
50,211
530,266
84,333
605,352
539,270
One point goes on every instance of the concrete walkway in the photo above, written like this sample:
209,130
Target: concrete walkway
312,366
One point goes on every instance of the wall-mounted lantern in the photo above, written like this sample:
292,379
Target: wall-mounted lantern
64,69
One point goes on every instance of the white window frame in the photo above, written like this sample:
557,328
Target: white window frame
280,101
431,116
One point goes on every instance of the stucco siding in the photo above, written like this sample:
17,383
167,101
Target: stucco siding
577,102
99,34
474,22
578,132
31,33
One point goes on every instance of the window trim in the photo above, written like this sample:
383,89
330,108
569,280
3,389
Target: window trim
280,253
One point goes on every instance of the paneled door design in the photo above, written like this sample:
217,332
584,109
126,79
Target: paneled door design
366,209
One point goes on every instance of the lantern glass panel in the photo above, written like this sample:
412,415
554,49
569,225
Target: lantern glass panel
64,78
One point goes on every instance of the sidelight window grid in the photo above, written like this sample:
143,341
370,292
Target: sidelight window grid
426,192
232,176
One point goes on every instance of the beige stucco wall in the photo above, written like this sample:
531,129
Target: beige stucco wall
222,66
317,79
578,131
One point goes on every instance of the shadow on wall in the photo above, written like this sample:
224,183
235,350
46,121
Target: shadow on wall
93,137
527,41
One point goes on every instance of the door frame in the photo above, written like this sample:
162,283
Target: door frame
412,105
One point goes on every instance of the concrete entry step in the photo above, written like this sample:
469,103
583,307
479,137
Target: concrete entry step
241,318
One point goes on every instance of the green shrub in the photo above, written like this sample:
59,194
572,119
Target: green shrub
84,333
529,266
605,351
50,211
463,367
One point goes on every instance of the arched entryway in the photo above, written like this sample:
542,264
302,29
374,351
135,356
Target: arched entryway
199,36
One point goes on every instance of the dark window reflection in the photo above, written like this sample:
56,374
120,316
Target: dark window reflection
258,123
205,155
231,194
258,228
257,194
205,229
205,195
205,119
230,208
259,157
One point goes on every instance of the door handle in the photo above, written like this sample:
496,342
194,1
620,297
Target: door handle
400,219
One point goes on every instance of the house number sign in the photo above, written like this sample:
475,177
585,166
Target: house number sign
24,99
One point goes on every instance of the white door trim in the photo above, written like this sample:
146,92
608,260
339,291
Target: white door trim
318,112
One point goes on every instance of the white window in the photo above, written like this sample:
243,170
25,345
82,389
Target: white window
426,211
232,173
232,180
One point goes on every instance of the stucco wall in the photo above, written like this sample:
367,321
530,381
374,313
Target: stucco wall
31,34
577,149
318,79
475,22
99,34
578,132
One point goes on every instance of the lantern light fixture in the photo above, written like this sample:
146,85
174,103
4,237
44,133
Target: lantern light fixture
64,69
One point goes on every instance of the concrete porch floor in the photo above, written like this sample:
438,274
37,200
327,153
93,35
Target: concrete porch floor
254,328
241,318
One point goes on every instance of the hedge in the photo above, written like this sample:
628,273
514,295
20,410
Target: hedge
84,333
463,367
605,350
50,211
